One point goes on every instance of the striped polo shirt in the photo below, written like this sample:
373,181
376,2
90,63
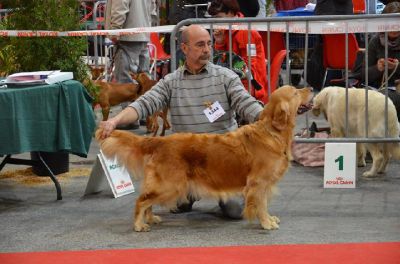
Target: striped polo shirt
187,95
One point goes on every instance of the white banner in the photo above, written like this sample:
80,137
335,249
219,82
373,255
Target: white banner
314,27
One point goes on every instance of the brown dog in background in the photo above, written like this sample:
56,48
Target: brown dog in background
112,94
152,121
248,161
96,72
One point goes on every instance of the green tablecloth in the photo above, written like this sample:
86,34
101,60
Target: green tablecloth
50,118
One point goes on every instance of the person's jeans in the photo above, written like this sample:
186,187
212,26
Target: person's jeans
130,57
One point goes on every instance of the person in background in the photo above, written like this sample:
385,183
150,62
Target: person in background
263,8
315,67
385,2
333,7
282,5
179,12
132,54
240,46
377,61
155,12
376,54
190,90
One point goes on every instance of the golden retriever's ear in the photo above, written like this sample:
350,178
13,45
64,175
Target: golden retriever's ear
281,116
316,108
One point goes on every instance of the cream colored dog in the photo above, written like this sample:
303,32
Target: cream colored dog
331,101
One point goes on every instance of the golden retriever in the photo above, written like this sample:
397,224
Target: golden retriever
331,101
248,161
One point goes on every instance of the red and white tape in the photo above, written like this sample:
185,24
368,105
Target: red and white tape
314,27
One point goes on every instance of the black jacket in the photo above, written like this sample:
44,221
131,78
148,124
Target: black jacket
385,2
376,51
249,8
334,7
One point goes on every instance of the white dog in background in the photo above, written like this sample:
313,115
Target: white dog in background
331,101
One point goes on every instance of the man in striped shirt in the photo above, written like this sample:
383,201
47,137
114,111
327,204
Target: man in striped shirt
190,90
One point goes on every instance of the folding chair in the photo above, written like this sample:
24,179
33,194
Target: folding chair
276,43
359,6
334,52
276,65
158,56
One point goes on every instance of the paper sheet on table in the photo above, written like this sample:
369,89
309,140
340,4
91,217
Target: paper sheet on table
39,77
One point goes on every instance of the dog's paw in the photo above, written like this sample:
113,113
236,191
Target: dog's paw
274,219
270,225
361,163
142,228
369,174
155,219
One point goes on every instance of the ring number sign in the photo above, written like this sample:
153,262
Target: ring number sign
340,165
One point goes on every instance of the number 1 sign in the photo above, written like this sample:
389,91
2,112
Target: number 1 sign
340,165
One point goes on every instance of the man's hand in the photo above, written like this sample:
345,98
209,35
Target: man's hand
390,62
108,127
219,36
126,116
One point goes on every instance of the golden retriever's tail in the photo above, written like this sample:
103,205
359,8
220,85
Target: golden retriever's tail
127,147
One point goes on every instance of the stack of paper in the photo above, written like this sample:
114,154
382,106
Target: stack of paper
39,77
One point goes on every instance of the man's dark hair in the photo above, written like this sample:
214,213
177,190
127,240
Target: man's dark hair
393,7
224,6
249,8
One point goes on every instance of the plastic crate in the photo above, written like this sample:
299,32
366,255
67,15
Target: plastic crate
295,12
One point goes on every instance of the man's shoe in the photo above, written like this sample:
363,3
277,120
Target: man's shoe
231,209
183,207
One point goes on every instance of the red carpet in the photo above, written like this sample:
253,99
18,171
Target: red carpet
363,253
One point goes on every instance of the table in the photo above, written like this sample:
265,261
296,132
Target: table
47,118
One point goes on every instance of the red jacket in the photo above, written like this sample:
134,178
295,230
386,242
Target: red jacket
258,65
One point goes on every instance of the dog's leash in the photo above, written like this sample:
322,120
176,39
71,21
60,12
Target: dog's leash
110,69
384,82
